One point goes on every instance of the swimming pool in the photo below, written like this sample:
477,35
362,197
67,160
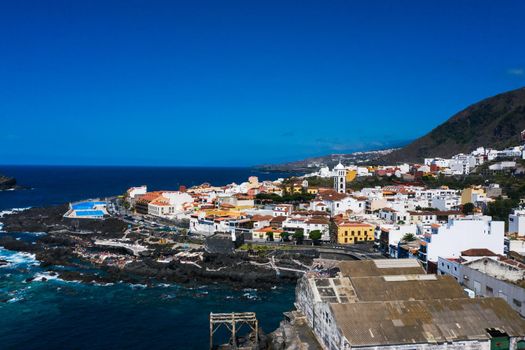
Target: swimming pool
97,213
86,205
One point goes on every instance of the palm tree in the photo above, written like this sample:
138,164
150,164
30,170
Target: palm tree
408,237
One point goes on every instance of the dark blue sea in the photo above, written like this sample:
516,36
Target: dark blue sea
55,314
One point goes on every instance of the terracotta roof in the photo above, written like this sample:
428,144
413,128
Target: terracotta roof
278,219
478,252
354,224
331,196
261,217
268,229
415,213
227,205
149,196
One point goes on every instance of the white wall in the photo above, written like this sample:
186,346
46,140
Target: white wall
450,240
517,222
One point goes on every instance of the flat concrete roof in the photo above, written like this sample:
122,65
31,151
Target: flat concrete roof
383,288
425,321
369,268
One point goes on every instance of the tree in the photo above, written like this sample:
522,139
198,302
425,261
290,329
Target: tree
269,236
467,208
315,236
285,236
408,237
332,228
298,235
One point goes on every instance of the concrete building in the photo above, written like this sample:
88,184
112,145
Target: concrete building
392,235
282,210
394,305
472,194
490,276
445,203
133,192
517,222
308,225
460,234
169,204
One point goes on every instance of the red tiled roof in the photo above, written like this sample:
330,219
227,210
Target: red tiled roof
261,217
278,219
478,252
354,224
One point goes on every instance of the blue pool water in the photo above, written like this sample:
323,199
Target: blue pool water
96,213
86,205
54,314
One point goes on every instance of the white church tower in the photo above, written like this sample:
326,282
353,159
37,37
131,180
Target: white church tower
340,178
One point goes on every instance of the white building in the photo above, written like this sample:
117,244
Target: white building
308,225
460,234
136,191
461,164
517,222
169,204
394,233
282,210
446,203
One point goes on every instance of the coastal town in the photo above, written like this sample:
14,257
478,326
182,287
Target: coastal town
361,240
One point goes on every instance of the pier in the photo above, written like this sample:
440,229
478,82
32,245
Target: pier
234,322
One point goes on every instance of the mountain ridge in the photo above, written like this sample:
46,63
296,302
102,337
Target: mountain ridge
494,122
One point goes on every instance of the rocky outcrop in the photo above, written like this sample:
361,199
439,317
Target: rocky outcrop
77,243
7,183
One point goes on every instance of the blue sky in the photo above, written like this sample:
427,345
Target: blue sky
242,82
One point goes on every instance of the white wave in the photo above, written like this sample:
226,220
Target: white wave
12,211
15,299
99,284
18,258
250,296
137,286
36,233
39,277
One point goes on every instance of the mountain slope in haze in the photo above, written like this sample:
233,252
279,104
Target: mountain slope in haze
314,163
495,122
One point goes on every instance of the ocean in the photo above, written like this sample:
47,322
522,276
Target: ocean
49,313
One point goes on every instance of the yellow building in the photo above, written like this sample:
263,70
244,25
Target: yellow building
351,175
312,190
262,234
350,232
468,193
295,188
